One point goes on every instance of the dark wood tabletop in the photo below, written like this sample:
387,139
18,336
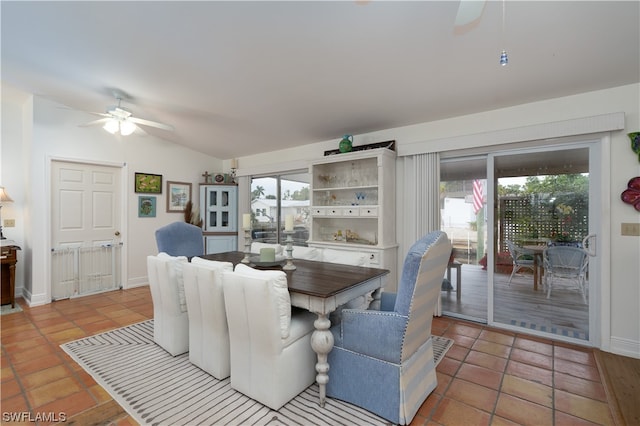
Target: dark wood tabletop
320,279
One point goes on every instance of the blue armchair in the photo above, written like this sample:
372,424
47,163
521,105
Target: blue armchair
383,360
180,239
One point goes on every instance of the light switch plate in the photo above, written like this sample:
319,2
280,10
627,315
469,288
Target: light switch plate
630,229
9,223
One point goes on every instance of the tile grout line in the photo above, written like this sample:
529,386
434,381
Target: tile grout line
495,406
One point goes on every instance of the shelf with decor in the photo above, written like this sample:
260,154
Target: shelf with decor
353,205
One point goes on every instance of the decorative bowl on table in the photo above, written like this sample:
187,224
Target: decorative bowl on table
260,264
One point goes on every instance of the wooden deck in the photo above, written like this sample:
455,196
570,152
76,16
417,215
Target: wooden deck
518,304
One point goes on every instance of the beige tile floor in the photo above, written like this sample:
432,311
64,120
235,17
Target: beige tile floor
487,377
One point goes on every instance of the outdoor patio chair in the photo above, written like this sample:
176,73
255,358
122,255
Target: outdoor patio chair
522,258
567,265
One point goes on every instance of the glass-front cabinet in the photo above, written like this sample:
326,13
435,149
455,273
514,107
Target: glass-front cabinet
218,209
353,205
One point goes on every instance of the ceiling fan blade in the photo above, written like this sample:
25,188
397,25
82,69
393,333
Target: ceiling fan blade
149,123
469,11
96,122
140,131
99,114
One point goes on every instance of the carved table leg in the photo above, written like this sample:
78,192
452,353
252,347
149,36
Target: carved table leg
322,343
375,303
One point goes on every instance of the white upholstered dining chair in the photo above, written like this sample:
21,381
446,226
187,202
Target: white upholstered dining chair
208,330
271,356
170,319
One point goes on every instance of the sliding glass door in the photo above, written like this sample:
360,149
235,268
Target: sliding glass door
463,212
540,200
514,204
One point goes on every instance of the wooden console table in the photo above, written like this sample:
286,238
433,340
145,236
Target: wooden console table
9,258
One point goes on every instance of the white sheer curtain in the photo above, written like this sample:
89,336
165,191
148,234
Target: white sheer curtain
421,214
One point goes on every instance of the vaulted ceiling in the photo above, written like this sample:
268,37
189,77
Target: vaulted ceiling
240,78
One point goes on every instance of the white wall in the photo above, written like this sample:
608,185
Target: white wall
621,301
52,132
16,107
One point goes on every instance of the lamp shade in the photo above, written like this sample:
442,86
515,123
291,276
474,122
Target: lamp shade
122,125
127,127
4,197
111,126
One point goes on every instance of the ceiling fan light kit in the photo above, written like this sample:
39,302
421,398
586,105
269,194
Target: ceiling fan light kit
119,120
125,126
111,126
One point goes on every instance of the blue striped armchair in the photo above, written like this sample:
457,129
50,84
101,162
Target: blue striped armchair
383,360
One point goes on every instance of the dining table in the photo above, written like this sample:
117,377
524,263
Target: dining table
537,251
321,288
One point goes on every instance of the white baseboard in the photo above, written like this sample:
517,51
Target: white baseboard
34,299
137,282
625,347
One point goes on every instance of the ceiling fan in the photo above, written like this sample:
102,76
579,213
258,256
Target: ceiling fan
120,120
468,12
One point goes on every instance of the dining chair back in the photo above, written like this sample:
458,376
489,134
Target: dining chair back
180,239
272,360
382,360
170,319
208,329
568,265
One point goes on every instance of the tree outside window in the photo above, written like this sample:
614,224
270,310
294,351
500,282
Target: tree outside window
273,198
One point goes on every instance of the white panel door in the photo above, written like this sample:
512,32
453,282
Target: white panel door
85,228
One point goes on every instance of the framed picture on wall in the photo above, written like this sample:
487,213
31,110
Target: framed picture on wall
178,195
148,184
146,206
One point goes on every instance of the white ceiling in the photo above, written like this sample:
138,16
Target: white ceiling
240,78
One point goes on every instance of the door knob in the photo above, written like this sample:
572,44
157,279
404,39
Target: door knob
117,233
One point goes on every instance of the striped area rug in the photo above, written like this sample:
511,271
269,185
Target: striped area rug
156,388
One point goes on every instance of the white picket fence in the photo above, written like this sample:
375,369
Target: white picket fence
82,270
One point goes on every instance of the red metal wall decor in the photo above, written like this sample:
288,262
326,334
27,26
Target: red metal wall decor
631,195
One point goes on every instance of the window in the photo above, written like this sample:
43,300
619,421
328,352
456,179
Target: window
275,197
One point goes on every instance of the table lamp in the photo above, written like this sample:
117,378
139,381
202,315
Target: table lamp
4,198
